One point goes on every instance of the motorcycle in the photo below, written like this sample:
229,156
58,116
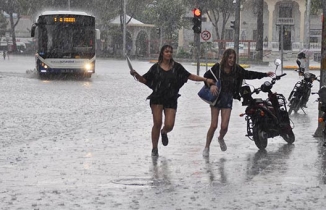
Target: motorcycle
266,118
322,107
301,91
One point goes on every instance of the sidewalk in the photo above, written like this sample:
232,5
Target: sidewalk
287,65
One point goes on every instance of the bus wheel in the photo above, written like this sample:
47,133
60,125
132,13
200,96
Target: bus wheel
42,76
88,75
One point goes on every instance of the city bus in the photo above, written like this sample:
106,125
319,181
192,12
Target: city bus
65,43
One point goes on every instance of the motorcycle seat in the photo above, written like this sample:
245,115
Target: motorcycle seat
258,100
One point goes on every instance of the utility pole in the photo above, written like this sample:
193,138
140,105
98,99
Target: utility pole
260,30
237,27
124,29
319,131
307,38
282,47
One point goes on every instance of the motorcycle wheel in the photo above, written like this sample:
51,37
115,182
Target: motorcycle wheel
294,106
259,137
324,136
289,136
291,94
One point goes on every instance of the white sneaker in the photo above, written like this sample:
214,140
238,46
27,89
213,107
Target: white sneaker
206,152
222,144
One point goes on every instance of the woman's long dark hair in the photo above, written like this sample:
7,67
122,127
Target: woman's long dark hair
226,55
160,57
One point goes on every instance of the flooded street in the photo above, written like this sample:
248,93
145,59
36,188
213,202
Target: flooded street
86,144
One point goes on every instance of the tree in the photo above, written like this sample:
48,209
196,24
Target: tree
12,8
316,5
219,10
165,15
3,24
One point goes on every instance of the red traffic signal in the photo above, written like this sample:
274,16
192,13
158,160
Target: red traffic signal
197,20
197,12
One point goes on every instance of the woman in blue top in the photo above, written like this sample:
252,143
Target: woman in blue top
165,78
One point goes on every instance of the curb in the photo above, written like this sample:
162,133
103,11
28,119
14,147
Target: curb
204,64
248,66
212,64
296,67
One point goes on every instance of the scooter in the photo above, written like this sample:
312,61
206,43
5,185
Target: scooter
266,118
301,91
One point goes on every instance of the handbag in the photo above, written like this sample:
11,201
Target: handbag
206,95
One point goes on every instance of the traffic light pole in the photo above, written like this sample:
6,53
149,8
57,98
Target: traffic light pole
197,42
197,19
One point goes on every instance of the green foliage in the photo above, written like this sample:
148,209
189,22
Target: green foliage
164,14
3,24
183,54
316,5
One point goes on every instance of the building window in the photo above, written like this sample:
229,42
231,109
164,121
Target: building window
285,10
315,35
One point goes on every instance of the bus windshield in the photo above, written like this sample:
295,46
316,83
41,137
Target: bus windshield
66,40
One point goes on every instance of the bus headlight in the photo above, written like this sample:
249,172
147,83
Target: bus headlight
44,65
88,67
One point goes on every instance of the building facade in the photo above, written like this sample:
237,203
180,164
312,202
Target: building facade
285,25
284,20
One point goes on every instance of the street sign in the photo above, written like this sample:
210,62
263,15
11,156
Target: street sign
206,36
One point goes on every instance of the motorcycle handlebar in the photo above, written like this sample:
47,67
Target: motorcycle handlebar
279,76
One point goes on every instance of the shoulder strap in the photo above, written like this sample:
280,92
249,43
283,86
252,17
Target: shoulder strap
214,74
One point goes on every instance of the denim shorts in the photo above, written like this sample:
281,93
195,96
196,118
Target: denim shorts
225,101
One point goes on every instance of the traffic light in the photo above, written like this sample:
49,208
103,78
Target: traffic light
232,24
158,31
197,20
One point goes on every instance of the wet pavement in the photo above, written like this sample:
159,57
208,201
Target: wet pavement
85,144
